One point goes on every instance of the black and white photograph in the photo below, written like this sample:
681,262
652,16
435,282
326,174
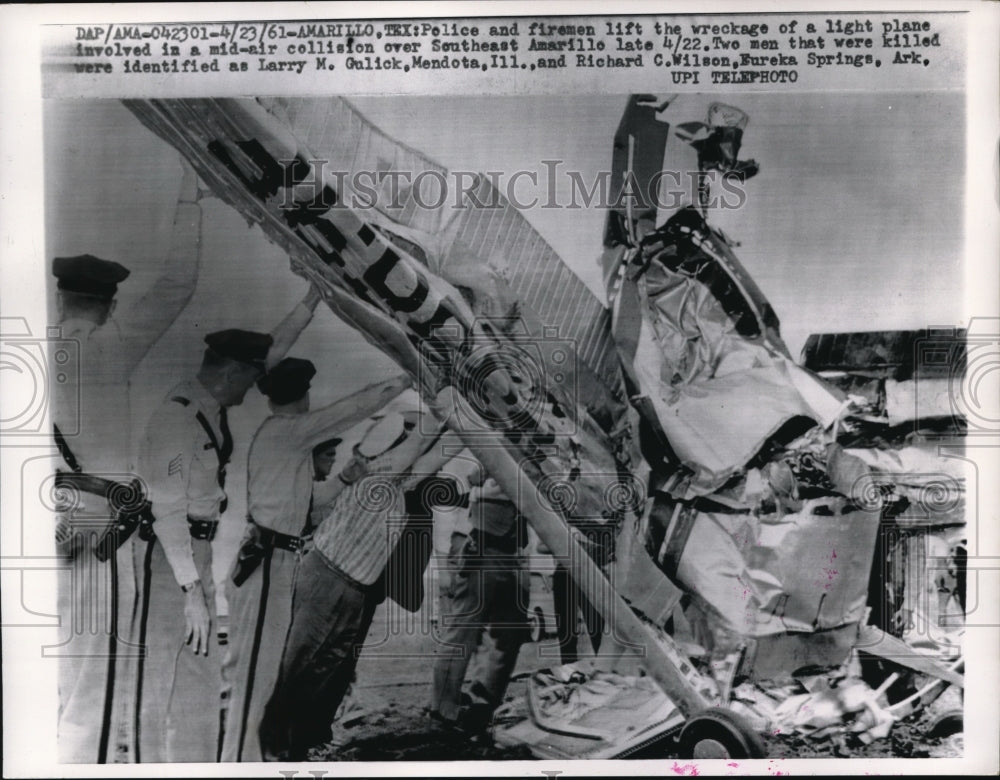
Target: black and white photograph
644,420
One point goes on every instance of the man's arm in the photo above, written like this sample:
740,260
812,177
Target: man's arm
150,317
321,424
289,329
422,452
166,466
326,491
167,455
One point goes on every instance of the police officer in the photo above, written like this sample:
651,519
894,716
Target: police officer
92,428
184,456
279,486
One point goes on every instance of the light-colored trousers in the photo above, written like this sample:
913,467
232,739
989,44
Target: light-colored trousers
179,701
260,612
94,651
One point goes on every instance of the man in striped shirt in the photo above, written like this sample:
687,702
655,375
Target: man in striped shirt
341,581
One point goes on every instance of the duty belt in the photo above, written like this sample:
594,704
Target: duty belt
202,529
86,483
257,547
130,509
270,538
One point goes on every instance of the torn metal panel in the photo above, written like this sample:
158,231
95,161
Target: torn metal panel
700,346
779,656
920,399
877,642
930,487
894,354
831,709
757,576
579,713
636,159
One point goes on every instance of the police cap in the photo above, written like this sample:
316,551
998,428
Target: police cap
288,381
245,346
89,275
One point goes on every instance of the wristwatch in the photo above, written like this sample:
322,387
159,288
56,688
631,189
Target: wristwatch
190,586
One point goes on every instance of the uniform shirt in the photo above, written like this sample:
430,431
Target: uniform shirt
90,392
180,464
181,470
280,465
91,408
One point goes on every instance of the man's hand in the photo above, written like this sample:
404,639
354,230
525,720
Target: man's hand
198,624
477,478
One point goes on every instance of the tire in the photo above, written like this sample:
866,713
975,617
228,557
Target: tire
946,725
719,733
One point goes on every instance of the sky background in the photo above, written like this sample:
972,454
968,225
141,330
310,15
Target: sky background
855,221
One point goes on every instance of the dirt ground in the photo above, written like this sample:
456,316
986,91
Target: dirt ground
396,727
387,719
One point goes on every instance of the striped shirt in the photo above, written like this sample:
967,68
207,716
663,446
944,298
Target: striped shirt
354,536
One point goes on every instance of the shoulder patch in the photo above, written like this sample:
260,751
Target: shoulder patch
175,466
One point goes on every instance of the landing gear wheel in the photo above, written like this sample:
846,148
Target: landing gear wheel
719,733
946,725
536,622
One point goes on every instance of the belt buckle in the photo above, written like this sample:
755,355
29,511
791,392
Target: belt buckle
203,530
292,544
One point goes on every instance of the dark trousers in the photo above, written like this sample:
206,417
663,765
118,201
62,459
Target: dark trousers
331,616
488,591
567,598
